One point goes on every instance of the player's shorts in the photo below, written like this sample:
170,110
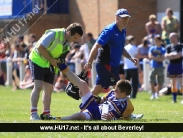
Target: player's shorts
91,107
174,70
159,72
106,75
43,74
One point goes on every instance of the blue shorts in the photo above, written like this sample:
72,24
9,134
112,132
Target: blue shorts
107,75
92,108
174,70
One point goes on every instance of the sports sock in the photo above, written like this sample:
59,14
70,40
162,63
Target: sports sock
174,96
47,112
33,110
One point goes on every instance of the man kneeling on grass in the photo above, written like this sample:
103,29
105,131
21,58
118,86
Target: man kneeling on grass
117,100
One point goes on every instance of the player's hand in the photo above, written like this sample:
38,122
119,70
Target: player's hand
54,62
87,66
135,61
107,116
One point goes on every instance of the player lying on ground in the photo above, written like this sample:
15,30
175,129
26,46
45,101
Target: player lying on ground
90,109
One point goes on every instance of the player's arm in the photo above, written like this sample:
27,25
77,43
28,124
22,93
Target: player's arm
126,54
173,56
45,53
93,52
150,55
44,44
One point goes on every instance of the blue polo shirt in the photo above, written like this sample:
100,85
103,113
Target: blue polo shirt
157,51
113,42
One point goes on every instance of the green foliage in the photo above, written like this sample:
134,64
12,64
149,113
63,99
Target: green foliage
15,107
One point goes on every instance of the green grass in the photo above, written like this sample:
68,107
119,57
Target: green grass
15,107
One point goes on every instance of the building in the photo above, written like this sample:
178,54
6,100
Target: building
94,15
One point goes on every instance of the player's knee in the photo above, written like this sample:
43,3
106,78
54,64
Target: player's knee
84,87
38,87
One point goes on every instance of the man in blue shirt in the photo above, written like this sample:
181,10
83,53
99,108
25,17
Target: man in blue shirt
156,54
111,47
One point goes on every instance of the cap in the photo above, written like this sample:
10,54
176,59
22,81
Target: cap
122,13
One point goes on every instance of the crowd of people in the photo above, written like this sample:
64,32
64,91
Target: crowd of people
160,43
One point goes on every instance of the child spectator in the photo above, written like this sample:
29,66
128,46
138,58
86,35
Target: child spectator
156,55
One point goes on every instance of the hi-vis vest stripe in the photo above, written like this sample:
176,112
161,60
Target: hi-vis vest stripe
55,49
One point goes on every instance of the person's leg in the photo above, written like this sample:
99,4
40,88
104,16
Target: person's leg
76,116
135,82
46,97
97,89
38,77
152,77
35,98
160,78
141,77
49,77
103,78
174,89
121,72
82,85
127,75
181,87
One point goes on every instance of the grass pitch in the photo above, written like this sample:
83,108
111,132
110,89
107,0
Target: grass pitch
15,107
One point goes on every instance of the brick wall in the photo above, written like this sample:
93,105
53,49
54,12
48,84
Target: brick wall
139,11
94,15
47,21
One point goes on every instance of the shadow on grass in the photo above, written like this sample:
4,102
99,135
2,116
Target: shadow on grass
150,120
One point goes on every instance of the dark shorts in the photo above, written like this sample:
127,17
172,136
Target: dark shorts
3,65
174,70
106,75
43,74
121,69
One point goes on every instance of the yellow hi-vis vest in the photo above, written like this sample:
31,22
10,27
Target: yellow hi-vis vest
55,49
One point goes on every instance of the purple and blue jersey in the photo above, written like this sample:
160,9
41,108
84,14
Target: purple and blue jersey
116,106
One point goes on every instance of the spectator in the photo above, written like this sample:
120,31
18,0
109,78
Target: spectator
4,46
169,24
121,66
72,55
18,56
32,40
131,70
174,71
142,51
27,82
156,55
23,47
90,40
152,28
60,84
